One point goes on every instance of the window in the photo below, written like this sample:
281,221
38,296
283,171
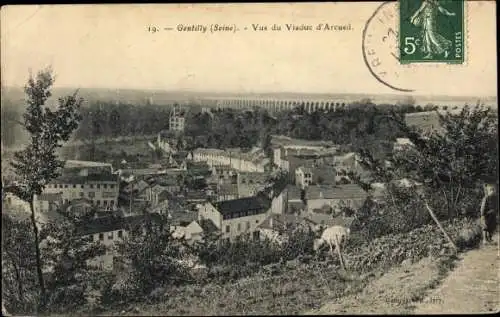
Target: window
105,186
257,221
91,186
81,186
248,225
101,236
74,185
66,186
239,227
98,186
91,194
60,186
81,194
228,229
98,202
111,186
110,235
120,234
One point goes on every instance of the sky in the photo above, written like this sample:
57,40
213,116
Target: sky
108,46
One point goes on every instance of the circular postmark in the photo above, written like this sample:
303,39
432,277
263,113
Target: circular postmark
381,47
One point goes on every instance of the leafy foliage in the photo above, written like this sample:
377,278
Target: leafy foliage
37,163
67,255
19,284
445,168
151,253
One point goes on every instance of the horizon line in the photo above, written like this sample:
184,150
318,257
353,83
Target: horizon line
258,92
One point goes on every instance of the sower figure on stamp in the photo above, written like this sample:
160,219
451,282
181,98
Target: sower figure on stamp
489,210
426,18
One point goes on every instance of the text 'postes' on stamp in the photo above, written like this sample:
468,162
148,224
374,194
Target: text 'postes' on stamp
431,31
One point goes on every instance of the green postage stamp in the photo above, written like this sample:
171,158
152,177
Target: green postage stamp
431,31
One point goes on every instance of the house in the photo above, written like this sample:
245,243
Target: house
95,166
289,154
234,217
401,144
226,192
157,194
108,231
15,204
177,122
195,197
166,143
223,174
47,202
317,175
349,195
96,183
198,168
191,232
168,182
427,121
250,183
185,225
179,160
276,226
293,199
138,189
318,221
252,161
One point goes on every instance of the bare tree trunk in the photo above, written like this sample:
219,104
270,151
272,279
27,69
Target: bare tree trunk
440,226
37,251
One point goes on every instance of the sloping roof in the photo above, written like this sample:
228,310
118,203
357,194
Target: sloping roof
78,179
113,223
76,163
208,226
348,191
242,204
182,218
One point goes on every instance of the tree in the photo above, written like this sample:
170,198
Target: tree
67,251
18,261
37,163
444,169
152,252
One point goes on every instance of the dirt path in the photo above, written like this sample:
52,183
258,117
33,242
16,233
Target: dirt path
473,287
419,288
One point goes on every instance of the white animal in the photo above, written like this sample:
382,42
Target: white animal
335,236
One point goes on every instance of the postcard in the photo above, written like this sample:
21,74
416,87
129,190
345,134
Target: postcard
250,158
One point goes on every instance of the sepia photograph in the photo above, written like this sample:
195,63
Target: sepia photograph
331,158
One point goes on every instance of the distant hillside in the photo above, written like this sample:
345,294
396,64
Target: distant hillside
143,97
